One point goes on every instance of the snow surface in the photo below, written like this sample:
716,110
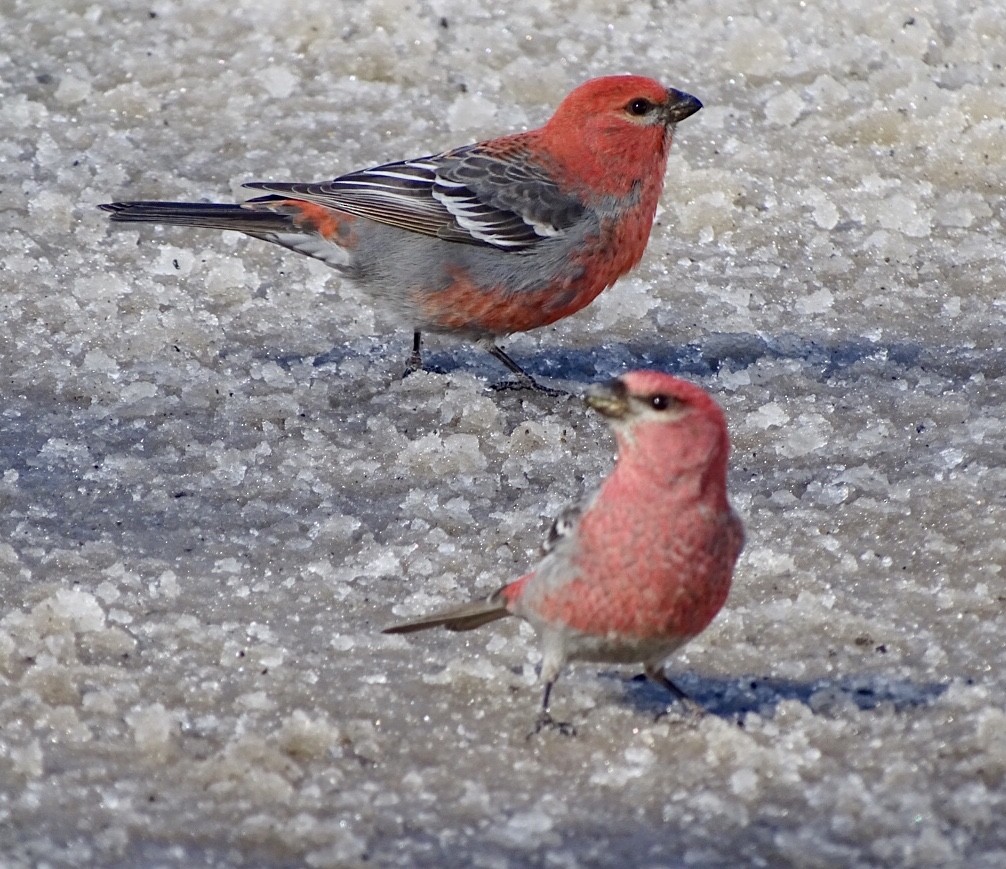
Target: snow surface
216,488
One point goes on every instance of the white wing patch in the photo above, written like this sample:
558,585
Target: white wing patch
483,221
563,526
485,201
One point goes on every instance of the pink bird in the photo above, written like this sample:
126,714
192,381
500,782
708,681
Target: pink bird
646,563
481,241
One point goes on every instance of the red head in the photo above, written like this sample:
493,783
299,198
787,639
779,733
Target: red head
667,428
616,131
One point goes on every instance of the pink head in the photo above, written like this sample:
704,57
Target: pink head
666,427
614,129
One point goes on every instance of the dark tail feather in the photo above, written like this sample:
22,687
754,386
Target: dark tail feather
203,214
462,618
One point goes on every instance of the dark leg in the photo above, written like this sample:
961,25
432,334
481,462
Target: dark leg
544,721
692,709
415,362
524,380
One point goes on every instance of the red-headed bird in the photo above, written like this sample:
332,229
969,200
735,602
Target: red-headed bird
645,563
484,240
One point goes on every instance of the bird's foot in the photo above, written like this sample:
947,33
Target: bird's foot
414,364
544,721
522,380
526,381
690,711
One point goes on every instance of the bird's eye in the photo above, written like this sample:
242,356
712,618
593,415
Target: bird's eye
660,402
639,107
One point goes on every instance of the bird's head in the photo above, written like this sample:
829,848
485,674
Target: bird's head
664,425
620,122
625,102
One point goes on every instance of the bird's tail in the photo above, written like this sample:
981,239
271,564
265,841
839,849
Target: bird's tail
469,616
462,618
208,215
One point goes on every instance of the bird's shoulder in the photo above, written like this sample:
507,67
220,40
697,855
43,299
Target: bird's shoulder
563,528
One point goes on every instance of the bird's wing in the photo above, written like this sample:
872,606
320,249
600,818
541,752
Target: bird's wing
469,195
563,527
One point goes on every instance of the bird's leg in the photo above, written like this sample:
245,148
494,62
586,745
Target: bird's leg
415,362
524,380
545,721
656,674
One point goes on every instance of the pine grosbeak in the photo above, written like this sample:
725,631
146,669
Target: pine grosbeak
644,564
484,240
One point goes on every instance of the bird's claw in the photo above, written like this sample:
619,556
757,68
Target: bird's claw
528,382
690,711
414,364
546,722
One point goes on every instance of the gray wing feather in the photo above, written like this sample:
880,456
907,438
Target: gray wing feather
464,195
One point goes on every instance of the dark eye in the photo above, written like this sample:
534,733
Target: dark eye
639,107
660,402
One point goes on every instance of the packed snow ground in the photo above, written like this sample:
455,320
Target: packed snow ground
216,488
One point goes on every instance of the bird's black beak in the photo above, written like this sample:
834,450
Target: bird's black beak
609,399
680,105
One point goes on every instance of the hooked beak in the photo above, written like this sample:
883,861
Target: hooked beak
609,399
680,106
